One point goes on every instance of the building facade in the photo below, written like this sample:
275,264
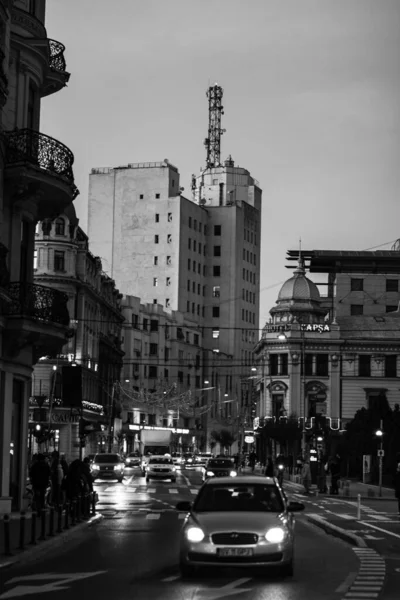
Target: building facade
36,182
64,262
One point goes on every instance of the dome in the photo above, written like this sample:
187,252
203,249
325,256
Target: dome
299,287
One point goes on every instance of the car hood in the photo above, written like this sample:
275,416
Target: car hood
211,522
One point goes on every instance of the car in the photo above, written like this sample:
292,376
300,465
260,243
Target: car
245,522
108,466
133,460
160,467
188,460
219,467
177,459
202,458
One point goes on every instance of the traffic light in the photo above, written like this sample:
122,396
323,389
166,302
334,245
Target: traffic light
72,386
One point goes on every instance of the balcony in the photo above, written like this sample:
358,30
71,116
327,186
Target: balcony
35,315
56,76
38,172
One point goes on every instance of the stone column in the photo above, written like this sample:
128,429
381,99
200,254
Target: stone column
6,392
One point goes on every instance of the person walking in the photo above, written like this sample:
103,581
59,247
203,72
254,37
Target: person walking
252,460
57,475
397,485
306,476
40,475
335,475
87,473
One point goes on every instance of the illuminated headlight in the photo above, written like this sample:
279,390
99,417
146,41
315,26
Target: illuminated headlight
194,534
275,535
210,473
173,469
232,474
190,460
95,467
178,460
117,467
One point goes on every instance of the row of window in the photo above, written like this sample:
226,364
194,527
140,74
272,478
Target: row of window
192,245
156,280
249,257
157,217
248,316
154,372
249,335
249,296
191,286
251,237
152,325
193,265
249,276
157,196
197,225
157,239
59,260
318,365
191,307
168,260
357,285
358,309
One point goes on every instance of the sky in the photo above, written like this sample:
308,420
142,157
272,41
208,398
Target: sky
311,98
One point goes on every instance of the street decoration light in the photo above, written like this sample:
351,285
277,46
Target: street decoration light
381,452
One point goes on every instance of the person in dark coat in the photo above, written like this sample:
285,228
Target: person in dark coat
40,474
75,480
87,473
397,485
335,475
269,470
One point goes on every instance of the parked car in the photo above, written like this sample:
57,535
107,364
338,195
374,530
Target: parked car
188,460
108,466
177,459
219,467
245,522
132,460
160,467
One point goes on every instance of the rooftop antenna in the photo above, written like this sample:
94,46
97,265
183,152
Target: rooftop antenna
299,248
215,111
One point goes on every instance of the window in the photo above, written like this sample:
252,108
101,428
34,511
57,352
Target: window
284,364
157,196
244,254
135,321
392,285
155,281
189,263
154,300
167,303
152,372
322,365
215,311
187,335
35,259
216,291
145,324
168,281
216,271
169,217
308,364
156,260
199,269
364,365
31,109
169,238
194,287
153,325
356,309
217,229
180,376
187,306
196,340
189,243
199,247
166,354
200,227
215,333
60,227
356,285
217,250
156,239
273,364
157,218
391,308
194,246
194,266
59,260
193,307
391,365
168,260
204,290
32,7
153,349
195,224
141,197
198,289
190,222
188,285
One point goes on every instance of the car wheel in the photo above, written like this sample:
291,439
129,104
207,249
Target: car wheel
173,480
147,479
288,569
187,571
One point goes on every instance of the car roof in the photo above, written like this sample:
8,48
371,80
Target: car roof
107,454
242,479
159,456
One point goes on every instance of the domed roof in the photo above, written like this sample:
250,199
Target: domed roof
299,287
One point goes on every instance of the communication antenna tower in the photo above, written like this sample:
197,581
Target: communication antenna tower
215,111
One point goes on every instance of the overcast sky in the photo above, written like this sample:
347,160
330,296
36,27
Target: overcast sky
311,96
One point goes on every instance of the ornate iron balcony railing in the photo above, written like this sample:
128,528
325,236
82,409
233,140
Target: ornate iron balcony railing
36,302
43,151
57,60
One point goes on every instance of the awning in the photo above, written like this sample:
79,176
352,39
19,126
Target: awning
155,438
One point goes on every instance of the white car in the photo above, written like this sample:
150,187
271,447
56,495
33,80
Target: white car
160,467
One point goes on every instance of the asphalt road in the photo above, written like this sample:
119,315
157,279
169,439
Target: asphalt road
133,553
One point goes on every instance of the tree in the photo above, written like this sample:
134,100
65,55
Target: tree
286,431
223,437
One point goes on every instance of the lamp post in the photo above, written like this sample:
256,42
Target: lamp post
379,435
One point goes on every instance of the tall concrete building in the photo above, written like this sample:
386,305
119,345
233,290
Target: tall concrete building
198,256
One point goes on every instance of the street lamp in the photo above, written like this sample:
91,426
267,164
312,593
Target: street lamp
379,435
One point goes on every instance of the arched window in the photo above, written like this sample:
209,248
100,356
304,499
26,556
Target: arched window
60,227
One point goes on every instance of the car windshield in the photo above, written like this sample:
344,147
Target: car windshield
133,455
107,458
248,498
160,461
217,464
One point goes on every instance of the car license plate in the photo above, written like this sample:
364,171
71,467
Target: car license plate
235,551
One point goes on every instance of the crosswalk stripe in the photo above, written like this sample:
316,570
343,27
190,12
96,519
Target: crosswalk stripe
173,491
193,491
153,516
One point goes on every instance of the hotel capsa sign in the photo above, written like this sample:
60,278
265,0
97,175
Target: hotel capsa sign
310,327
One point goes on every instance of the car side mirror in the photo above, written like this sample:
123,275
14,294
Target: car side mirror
184,506
295,506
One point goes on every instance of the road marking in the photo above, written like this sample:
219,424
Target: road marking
60,581
171,578
153,516
131,489
127,482
361,595
378,517
225,590
193,491
150,490
173,491
396,535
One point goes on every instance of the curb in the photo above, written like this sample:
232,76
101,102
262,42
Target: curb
336,531
30,554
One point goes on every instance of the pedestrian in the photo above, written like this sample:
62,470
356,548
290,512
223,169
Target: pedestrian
335,475
269,469
306,476
397,485
87,473
252,460
75,481
236,460
57,476
40,478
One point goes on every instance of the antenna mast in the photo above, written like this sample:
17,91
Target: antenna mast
215,111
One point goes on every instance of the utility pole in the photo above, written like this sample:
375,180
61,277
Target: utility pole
110,425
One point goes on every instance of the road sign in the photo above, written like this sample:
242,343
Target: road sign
381,453
55,582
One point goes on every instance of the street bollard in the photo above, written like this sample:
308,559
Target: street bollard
6,524
22,522
67,509
43,524
73,512
51,522
33,541
59,518
93,503
358,507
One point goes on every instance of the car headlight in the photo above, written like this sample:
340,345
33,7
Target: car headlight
233,474
190,460
194,534
275,535
173,468
210,473
95,467
117,467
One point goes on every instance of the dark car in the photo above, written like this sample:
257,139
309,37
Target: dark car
108,466
133,460
219,467
188,460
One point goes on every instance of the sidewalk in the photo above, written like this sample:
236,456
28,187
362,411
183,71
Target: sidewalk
25,539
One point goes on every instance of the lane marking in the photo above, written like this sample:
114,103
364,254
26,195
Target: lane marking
153,516
173,491
150,490
396,535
